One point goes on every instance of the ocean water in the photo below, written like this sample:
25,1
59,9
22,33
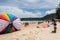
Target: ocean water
30,22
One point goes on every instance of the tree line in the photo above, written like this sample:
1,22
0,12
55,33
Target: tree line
58,12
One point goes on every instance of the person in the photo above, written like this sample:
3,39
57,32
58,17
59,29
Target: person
48,23
49,20
55,24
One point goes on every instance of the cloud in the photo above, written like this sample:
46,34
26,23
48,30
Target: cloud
26,5
37,4
31,1
50,11
33,4
18,12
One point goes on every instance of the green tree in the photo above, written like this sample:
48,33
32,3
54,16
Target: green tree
58,12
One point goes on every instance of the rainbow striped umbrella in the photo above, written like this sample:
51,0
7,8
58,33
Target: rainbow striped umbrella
9,23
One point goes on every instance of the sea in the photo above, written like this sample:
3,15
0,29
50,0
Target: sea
30,22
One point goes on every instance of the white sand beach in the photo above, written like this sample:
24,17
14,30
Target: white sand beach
31,32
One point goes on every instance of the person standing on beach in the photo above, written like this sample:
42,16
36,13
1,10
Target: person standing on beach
55,24
49,20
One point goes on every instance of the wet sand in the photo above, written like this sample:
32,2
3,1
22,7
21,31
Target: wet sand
31,32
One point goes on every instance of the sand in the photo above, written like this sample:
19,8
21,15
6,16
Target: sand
31,32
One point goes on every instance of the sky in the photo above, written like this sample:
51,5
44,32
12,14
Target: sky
29,8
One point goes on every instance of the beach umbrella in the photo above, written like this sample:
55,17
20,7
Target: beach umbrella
9,23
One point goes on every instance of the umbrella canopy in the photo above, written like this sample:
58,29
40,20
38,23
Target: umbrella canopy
9,23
